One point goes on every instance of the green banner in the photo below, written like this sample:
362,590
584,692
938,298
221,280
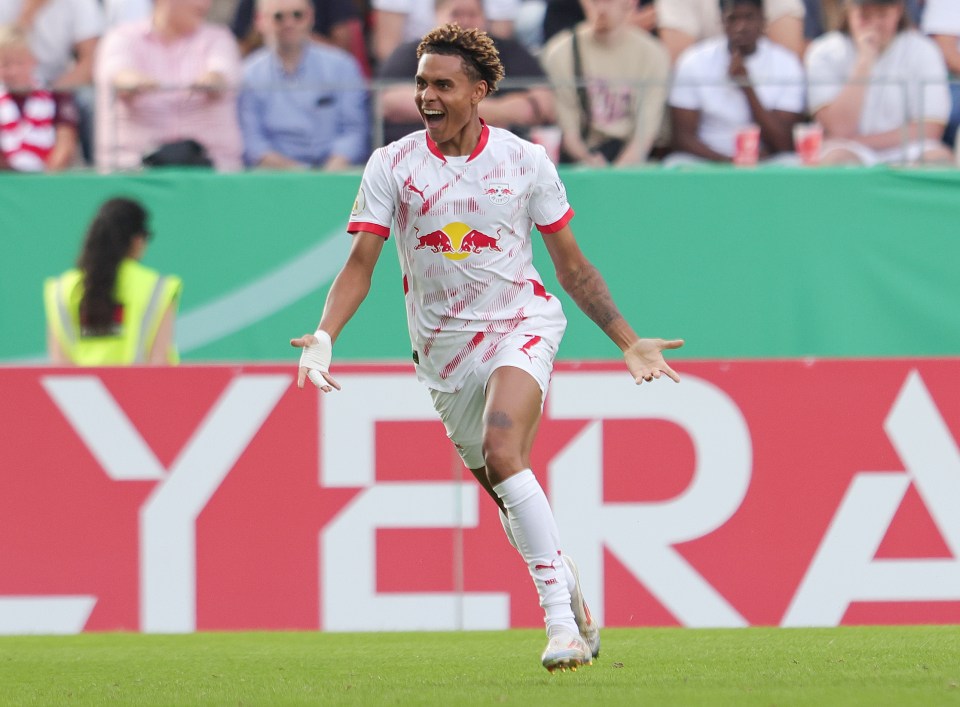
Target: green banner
760,263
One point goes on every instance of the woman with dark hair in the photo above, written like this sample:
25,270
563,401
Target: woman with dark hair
110,310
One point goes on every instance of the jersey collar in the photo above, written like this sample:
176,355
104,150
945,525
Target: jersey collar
481,143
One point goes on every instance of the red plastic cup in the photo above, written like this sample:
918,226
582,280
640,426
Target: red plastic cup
807,141
747,147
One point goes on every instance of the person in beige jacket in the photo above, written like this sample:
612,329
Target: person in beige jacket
612,111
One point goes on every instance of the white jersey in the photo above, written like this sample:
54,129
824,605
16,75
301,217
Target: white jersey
463,228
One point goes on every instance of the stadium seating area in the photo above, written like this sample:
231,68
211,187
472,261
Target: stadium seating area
349,32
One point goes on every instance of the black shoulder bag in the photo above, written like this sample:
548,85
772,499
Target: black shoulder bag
612,146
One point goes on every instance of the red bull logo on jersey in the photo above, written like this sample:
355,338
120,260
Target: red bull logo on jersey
457,241
499,193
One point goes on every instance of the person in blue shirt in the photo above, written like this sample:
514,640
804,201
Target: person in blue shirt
302,104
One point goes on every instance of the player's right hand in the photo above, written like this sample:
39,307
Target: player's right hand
315,360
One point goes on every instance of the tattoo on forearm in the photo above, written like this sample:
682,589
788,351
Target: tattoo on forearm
592,296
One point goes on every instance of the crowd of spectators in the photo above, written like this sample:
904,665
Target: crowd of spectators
317,84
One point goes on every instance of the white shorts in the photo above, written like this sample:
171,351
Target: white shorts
462,411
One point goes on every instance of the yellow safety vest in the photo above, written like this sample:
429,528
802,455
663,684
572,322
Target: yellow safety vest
145,296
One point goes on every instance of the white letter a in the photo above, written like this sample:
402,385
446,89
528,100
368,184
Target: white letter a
844,568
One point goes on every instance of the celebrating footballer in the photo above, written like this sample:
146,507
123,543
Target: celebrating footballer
462,198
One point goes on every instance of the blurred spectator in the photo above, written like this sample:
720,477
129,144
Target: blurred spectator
516,108
63,35
565,14
110,310
528,25
611,83
680,23
119,11
38,127
724,84
824,16
302,104
335,22
821,16
399,21
941,20
879,89
164,81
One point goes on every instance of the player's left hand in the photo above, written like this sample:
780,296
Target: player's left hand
645,362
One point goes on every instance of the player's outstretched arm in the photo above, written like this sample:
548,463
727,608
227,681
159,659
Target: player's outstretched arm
348,291
583,282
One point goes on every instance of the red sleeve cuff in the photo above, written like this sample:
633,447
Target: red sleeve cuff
374,228
558,224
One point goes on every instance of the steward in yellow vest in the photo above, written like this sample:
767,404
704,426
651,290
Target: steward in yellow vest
111,310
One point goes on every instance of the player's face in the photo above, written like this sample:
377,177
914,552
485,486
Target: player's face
447,99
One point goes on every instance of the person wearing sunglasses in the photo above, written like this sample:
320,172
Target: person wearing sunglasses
336,22
302,104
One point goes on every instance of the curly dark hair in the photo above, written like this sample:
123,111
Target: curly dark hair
107,243
481,60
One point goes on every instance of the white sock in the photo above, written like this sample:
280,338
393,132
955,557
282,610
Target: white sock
505,522
508,531
535,535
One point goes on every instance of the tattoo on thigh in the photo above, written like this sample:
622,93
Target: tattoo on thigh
500,419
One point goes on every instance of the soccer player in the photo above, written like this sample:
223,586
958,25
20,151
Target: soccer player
463,198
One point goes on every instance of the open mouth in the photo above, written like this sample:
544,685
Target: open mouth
433,117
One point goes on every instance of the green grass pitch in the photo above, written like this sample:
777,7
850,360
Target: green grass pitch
867,666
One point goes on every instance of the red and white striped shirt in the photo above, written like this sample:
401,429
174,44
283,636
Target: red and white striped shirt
463,227
27,129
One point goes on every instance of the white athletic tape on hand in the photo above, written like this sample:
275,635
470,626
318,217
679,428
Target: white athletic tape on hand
316,357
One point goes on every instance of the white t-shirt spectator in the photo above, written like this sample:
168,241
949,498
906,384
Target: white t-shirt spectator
58,27
908,81
701,83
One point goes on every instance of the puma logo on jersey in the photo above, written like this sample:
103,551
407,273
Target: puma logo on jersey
409,186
